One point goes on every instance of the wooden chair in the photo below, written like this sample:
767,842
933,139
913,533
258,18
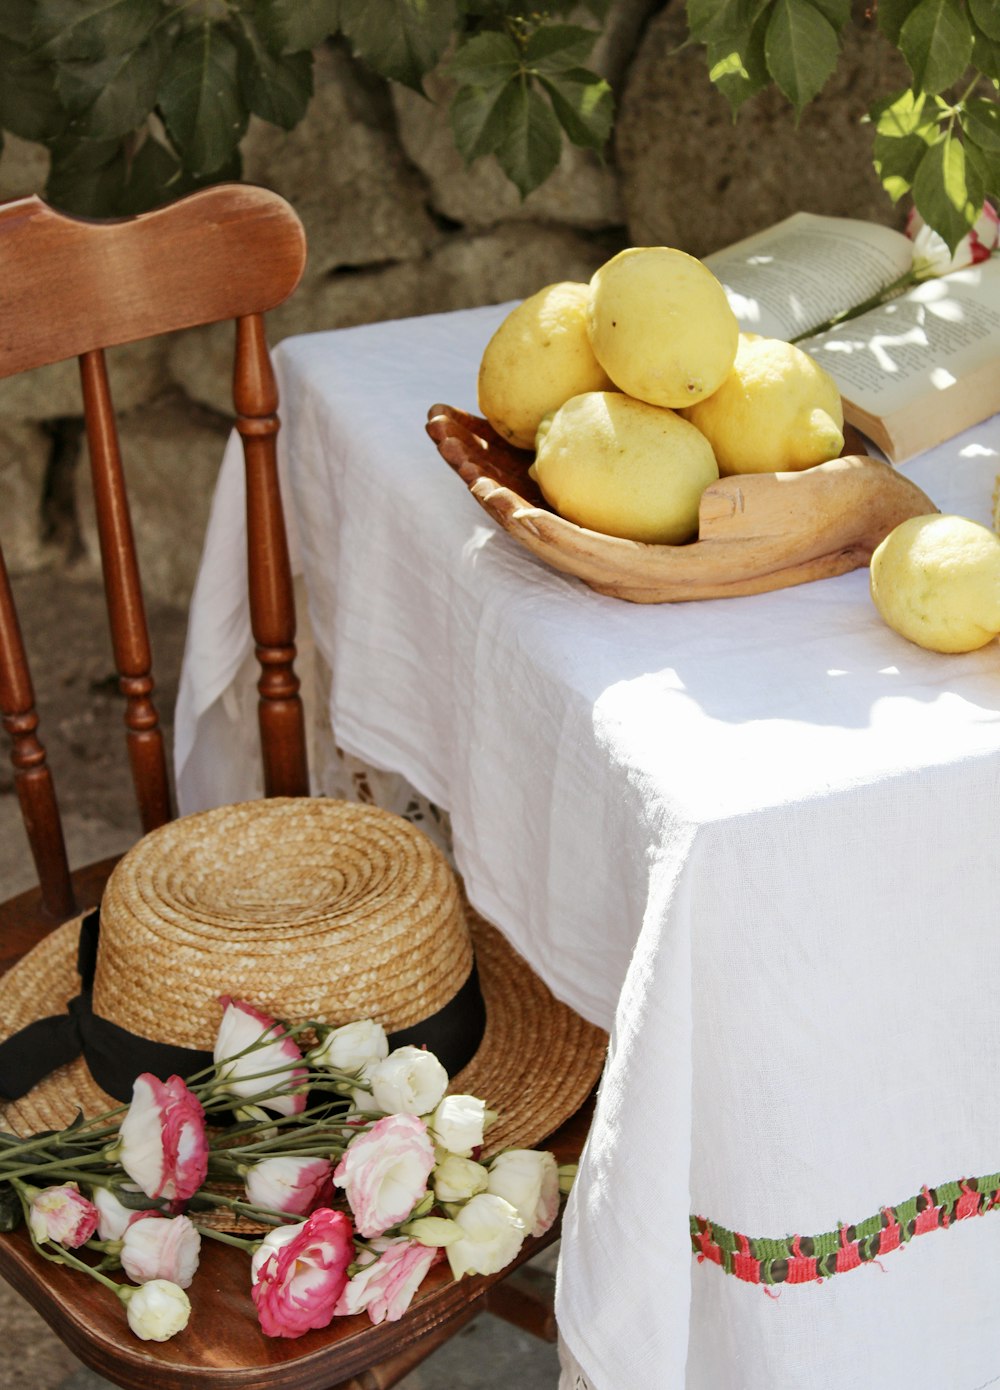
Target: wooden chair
72,288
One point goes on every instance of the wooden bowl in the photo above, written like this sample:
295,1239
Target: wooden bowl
756,531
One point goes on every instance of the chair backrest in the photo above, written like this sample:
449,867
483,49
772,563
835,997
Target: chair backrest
71,287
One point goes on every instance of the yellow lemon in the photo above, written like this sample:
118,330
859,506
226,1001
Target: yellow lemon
538,357
776,410
617,465
936,580
661,326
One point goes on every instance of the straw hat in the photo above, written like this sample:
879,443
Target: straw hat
307,908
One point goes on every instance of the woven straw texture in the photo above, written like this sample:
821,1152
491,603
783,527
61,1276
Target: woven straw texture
308,909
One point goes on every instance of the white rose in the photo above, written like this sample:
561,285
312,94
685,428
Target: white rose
457,1124
157,1310
529,1180
410,1081
457,1179
352,1048
492,1233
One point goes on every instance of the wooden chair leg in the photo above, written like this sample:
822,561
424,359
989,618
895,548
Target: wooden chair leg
391,1372
524,1298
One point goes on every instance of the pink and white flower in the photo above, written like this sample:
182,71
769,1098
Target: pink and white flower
113,1216
299,1273
384,1286
156,1311
457,1124
529,1180
492,1234
63,1215
161,1142
295,1186
384,1172
931,255
410,1081
161,1247
277,1065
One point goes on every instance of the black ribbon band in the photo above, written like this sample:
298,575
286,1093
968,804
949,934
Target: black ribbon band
115,1056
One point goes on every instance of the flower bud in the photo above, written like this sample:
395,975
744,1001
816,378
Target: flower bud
458,1179
433,1230
157,1310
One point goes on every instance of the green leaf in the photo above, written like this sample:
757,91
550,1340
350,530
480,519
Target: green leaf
200,100
152,178
981,123
936,42
278,89
487,60
739,69
947,191
838,12
293,26
891,15
86,177
532,141
896,160
11,1211
29,103
986,56
17,18
583,105
902,113
92,29
110,98
558,47
479,118
986,14
986,165
714,21
801,50
399,39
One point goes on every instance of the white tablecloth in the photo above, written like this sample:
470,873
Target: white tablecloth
756,838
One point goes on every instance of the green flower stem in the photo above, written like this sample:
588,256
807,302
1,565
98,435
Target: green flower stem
226,1239
67,1168
896,287
217,1199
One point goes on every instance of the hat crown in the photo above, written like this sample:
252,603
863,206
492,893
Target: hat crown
309,907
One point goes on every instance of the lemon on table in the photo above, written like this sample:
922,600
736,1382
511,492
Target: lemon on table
777,410
538,357
661,326
617,465
936,580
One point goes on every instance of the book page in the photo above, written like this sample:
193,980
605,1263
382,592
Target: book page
913,349
797,274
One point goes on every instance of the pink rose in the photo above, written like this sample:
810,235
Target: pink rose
275,1065
62,1214
384,1172
295,1186
161,1142
385,1286
161,1247
299,1273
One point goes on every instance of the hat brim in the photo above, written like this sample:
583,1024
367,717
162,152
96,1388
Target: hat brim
536,1064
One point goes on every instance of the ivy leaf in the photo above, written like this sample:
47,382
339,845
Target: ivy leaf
479,118
89,30
986,165
532,140
715,21
398,39
29,103
838,12
86,177
981,122
293,26
986,15
152,178
947,192
896,160
986,56
112,97
487,60
200,100
891,15
278,89
739,68
583,105
936,42
558,47
801,50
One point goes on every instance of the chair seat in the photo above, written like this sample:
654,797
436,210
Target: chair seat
222,1345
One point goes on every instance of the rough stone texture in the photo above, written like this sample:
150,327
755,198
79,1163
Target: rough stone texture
171,453
24,167
136,372
24,450
693,178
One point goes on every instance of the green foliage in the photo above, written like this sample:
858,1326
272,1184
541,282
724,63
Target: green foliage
139,101
938,140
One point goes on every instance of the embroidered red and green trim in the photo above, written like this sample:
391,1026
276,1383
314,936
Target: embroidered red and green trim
802,1259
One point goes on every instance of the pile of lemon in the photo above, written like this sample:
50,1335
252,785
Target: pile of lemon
638,389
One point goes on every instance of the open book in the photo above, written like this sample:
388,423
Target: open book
912,372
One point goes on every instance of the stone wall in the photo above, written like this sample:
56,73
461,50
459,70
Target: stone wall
397,226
